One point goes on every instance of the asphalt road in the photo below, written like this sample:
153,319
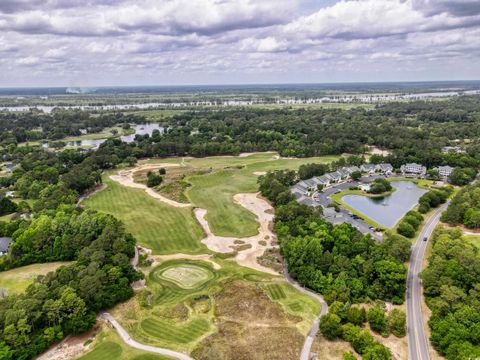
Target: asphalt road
307,345
324,199
417,340
135,344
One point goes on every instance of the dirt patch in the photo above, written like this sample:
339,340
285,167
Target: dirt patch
247,256
71,347
247,303
259,173
331,350
250,326
272,259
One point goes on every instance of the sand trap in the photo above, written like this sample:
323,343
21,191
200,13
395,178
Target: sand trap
248,258
125,178
157,259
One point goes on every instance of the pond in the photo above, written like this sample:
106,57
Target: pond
388,210
141,129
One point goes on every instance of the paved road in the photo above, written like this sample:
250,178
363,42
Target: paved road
324,199
130,342
307,345
418,348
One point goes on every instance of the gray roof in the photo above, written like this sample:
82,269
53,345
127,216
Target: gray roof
5,243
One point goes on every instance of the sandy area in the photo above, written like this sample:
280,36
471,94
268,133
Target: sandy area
248,258
70,348
259,173
204,257
377,151
125,178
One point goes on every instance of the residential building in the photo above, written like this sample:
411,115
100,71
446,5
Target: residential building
368,168
413,170
384,168
334,176
344,172
444,171
456,149
5,243
352,169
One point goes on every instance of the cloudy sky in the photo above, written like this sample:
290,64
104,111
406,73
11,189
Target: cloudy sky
162,42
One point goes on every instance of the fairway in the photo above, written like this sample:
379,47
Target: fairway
234,175
163,228
18,279
183,334
109,346
186,276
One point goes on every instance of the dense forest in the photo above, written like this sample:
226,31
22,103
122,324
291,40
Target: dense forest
337,261
452,289
415,132
465,208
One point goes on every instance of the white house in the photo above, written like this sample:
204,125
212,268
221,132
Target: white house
449,149
444,171
5,243
413,170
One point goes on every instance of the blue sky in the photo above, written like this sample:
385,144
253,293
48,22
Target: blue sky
163,42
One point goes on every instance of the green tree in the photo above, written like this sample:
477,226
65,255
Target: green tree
330,326
377,320
397,323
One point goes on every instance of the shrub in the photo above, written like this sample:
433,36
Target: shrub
330,326
377,320
153,179
162,171
356,316
406,229
397,323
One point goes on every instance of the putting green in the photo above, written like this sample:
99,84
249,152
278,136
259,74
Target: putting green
186,276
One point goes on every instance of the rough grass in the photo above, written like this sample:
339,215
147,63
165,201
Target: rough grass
18,279
163,228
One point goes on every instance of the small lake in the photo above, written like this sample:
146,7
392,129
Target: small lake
141,129
388,210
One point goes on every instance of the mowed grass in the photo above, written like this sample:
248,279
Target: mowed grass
169,332
215,191
17,280
187,276
163,228
275,291
474,239
109,346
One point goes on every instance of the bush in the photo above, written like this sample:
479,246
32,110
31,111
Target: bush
7,206
377,320
397,323
406,229
162,171
153,179
377,352
380,186
356,316
330,326
360,339
348,356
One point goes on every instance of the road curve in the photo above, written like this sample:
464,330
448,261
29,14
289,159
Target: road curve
418,348
307,345
135,344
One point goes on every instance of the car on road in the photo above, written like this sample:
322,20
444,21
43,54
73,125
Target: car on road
425,238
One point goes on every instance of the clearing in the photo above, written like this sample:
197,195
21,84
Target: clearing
17,280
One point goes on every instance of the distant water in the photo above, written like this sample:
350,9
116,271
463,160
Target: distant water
356,87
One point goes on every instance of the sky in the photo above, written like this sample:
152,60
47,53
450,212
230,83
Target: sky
179,42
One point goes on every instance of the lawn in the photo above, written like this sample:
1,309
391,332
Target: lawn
156,225
184,318
18,279
109,346
474,239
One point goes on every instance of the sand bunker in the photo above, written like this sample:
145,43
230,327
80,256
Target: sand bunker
248,258
125,178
